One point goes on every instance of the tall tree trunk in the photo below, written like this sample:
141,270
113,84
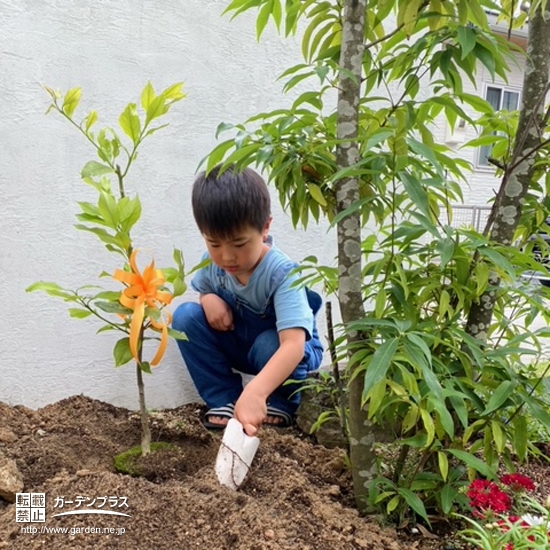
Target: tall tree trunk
519,172
362,457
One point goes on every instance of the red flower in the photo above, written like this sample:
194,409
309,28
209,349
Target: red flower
485,495
518,482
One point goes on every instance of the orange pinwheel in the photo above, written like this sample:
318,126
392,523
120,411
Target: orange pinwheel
142,290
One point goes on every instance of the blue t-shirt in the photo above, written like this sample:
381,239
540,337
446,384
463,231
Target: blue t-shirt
270,279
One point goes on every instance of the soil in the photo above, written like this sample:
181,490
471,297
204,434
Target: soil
297,494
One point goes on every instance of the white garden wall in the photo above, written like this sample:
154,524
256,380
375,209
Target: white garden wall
111,48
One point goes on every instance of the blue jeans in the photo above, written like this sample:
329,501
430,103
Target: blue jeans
213,356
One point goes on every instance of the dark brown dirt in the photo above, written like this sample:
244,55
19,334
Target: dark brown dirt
296,496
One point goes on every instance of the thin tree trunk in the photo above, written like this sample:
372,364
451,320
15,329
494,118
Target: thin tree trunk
143,414
519,172
362,456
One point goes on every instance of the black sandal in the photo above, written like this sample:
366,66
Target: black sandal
222,412
285,419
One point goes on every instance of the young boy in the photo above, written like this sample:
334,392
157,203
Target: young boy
250,318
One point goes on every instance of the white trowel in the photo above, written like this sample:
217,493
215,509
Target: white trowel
235,455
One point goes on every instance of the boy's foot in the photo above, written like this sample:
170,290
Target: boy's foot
277,418
218,417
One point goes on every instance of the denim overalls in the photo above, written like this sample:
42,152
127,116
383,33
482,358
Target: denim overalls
212,356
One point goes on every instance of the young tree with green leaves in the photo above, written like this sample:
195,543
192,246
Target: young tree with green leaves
137,309
407,286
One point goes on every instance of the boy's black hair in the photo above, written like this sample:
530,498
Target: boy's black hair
225,203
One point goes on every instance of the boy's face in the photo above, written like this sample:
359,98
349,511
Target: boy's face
241,253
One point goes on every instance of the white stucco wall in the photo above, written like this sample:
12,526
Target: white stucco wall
111,48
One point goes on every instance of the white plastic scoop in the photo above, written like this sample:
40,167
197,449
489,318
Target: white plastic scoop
235,456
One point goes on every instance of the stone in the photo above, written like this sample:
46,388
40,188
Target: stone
11,480
312,404
7,436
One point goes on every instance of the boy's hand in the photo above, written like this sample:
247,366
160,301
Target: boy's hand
250,411
217,312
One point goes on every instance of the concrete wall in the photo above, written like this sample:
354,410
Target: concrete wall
111,48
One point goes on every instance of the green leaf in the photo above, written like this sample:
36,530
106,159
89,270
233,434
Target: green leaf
498,260
486,57
477,14
376,397
179,287
110,295
419,441
90,120
177,255
376,138
113,307
498,436
108,209
121,352
223,127
460,409
155,109
147,96
263,18
176,334
105,328
217,154
145,367
540,413
423,151
500,395
317,194
414,502
392,504
473,462
380,302
129,212
491,139
416,193
423,363
174,92
448,495
53,289
520,437
429,425
71,100
446,250
94,168
444,415
443,462
241,154
78,313
130,123
467,39
477,103
379,364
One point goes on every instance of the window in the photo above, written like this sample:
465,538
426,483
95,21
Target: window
501,99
